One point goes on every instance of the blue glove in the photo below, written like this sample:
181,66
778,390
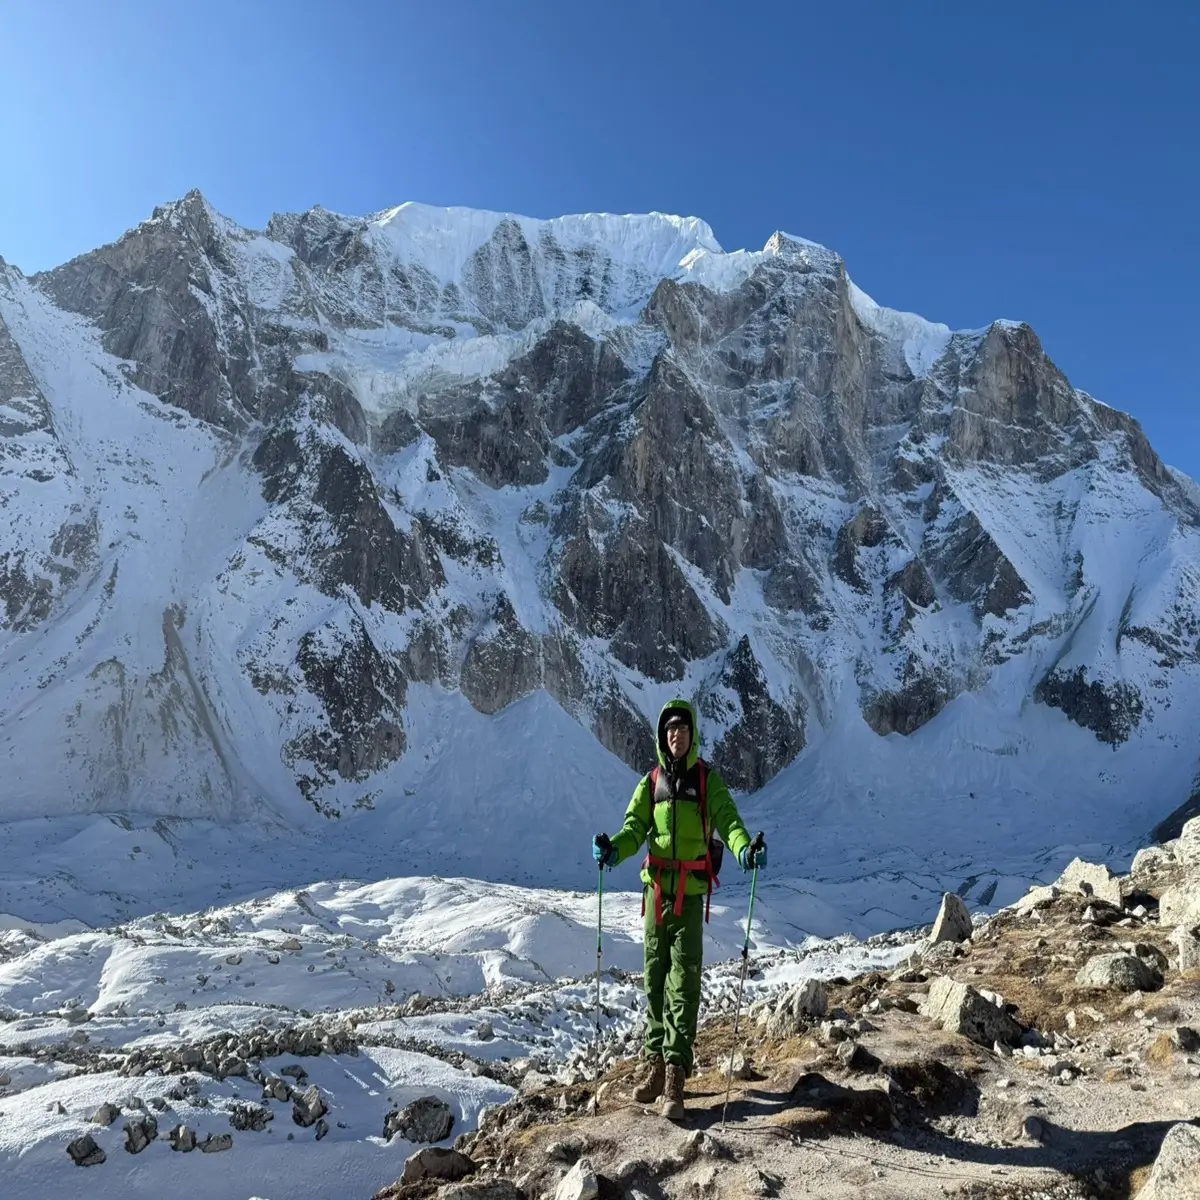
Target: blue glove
750,859
603,851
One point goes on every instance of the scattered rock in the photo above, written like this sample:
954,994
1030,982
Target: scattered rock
250,1118
139,1133
429,1119
275,1088
1186,1039
182,1138
323,1128
1179,905
856,1058
1091,879
1120,972
1150,859
833,1032
759,1183
1037,897
85,1153
306,1109
1176,1171
106,1114
1033,1128
808,1000
214,1144
739,1066
580,1183
1186,940
436,1163
1187,849
959,1008
493,1189
953,922
484,1031
535,1081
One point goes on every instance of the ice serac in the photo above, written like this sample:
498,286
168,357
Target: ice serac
270,496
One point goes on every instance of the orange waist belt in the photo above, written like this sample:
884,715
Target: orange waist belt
659,865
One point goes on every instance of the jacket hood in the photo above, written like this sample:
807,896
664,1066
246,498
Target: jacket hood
660,744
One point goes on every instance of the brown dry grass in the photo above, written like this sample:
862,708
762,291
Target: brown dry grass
1137,1180
1161,1052
1040,979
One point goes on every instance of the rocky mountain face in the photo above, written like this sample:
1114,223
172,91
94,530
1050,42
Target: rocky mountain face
264,493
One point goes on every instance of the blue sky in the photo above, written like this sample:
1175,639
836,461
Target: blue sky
1038,161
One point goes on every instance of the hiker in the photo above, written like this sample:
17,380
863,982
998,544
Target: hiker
677,807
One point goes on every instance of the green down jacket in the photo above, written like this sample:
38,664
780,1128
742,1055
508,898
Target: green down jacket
675,831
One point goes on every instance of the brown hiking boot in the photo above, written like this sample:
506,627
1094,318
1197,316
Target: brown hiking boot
652,1074
672,1100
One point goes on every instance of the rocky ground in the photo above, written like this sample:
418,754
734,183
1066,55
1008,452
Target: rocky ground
1049,1051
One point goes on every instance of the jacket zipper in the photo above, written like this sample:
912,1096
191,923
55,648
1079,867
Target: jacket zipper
674,833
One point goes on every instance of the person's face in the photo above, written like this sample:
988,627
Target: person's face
679,738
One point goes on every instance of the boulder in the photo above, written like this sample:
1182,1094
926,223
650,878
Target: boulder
215,1144
139,1133
809,999
1152,859
309,1107
106,1114
1176,1171
429,1119
1179,905
959,1008
1118,972
1186,940
739,1067
579,1183
182,1138
85,1153
1187,849
856,1058
436,1163
1091,879
250,1118
493,1189
953,922
1187,1039
1037,897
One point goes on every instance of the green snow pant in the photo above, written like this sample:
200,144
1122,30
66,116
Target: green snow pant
674,954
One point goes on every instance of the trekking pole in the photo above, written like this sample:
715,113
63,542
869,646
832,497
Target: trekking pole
755,846
603,841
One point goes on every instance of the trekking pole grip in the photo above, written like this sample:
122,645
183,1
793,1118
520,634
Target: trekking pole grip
758,844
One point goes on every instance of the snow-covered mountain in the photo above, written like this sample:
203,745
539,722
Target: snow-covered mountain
416,520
